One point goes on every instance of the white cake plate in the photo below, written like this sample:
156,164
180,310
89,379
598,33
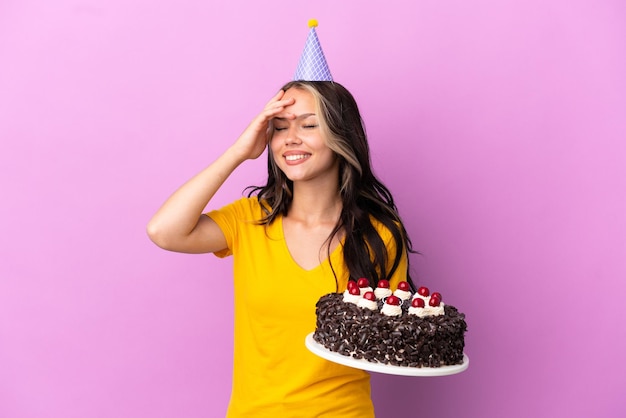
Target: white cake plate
363,364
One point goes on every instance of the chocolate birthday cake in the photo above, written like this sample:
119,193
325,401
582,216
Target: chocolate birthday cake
397,328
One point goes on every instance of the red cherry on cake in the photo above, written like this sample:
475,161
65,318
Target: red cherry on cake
423,291
434,302
354,291
351,284
384,284
363,282
369,296
436,295
404,286
418,303
392,300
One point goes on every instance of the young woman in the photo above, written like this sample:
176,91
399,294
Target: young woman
321,219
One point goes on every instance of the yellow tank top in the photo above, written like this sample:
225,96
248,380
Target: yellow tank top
274,374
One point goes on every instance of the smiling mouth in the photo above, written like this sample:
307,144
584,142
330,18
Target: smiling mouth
297,157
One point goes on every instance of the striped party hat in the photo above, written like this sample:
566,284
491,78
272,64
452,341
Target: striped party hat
312,65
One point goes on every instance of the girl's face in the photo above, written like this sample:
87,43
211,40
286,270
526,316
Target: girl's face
297,144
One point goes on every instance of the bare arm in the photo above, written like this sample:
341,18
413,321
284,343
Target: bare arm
179,225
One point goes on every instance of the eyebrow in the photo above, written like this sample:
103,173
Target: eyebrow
302,116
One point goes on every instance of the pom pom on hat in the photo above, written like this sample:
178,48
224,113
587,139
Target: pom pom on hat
312,65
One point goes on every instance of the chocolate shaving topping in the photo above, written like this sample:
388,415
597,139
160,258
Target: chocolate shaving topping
405,340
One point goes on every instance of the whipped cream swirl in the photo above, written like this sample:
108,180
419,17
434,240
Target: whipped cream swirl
402,294
382,292
367,304
391,310
427,310
347,297
365,289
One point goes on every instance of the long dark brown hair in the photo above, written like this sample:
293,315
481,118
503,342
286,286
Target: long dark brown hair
363,196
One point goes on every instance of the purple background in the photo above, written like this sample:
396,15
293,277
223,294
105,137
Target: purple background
499,126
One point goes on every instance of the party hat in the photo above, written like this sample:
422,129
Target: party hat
312,65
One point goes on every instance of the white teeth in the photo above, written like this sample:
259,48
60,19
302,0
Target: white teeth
296,157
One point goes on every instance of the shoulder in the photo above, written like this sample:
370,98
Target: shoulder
244,211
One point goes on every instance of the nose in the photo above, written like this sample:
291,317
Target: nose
292,137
